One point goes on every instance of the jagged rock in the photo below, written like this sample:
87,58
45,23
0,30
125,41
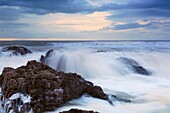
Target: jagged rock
47,59
43,58
17,50
47,88
78,111
134,65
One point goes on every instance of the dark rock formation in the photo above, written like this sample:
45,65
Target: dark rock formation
101,51
43,58
128,61
141,70
134,65
116,98
47,88
78,111
17,50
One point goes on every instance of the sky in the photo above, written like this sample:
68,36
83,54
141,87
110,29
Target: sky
84,19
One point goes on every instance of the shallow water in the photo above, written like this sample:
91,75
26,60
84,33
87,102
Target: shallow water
149,94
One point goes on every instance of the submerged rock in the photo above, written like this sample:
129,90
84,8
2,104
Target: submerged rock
47,88
134,66
116,98
101,51
78,111
17,50
141,70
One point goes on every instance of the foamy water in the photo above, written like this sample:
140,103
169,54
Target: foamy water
149,94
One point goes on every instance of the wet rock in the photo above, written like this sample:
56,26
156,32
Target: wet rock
17,50
128,61
47,88
78,111
17,103
134,66
113,98
61,61
141,70
43,58
99,51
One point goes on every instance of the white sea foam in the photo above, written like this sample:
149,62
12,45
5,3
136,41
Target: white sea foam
149,94
25,99
8,103
15,61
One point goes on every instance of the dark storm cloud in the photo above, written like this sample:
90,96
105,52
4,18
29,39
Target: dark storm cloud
143,4
143,8
41,7
49,6
148,4
75,6
10,13
14,9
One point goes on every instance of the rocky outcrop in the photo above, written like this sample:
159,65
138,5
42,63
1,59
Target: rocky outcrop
43,58
134,66
39,88
17,50
78,111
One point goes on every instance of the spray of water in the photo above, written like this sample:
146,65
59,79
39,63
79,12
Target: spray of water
149,94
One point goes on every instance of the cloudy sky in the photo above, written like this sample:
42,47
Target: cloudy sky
85,19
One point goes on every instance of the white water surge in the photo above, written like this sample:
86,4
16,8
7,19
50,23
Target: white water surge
149,94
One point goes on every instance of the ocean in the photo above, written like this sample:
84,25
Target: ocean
100,62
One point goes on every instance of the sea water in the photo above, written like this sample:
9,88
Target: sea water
97,61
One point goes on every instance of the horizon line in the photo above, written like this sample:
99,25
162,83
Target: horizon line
65,39
80,40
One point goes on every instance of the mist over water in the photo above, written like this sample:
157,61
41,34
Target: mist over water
98,62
